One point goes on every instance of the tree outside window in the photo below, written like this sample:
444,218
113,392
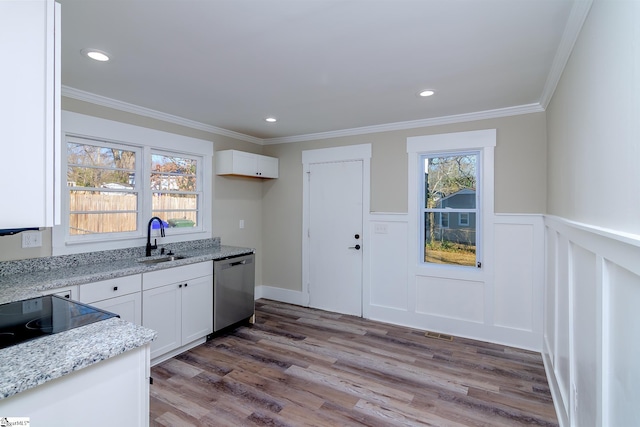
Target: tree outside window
450,208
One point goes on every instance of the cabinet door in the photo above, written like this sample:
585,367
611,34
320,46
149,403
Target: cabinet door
197,309
245,163
28,110
128,307
267,167
161,311
110,288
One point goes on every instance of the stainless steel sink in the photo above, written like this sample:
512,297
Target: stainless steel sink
161,259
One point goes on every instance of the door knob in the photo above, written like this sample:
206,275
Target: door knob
356,247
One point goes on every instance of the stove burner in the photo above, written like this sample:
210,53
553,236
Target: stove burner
41,324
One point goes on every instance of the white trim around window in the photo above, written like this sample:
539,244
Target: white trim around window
482,141
144,140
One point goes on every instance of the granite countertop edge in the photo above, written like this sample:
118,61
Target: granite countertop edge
33,363
17,287
30,364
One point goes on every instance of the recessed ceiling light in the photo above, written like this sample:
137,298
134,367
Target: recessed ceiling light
271,119
427,92
96,54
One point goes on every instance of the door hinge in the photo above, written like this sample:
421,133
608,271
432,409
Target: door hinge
150,380
479,264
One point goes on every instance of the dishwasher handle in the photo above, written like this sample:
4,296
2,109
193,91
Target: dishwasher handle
233,264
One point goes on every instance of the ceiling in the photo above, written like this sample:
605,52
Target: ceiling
318,66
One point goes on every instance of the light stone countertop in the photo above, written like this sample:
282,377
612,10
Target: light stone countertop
16,287
35,362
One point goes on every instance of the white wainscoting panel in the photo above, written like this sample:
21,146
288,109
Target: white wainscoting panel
585,330
500,303
388,273
517,291
591,344
449,298
621,344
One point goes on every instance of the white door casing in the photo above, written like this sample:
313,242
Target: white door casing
335,203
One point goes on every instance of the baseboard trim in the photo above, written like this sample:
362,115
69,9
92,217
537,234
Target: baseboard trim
283,295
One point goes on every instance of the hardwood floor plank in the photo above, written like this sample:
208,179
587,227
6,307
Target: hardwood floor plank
305,367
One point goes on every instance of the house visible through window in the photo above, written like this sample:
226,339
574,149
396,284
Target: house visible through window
450,208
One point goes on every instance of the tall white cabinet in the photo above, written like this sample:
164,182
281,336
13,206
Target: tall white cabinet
29,111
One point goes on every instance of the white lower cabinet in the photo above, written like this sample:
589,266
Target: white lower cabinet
177,303
122,296
114,392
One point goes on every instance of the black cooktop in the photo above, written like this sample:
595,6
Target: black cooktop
28,319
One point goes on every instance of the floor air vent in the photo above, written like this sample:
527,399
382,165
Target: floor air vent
438,336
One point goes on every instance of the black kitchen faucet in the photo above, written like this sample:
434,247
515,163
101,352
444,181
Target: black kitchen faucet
155,241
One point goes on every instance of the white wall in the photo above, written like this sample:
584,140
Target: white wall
592,291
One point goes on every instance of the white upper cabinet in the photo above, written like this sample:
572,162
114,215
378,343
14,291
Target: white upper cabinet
29,111
234,162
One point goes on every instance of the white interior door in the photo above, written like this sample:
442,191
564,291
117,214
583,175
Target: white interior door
335,236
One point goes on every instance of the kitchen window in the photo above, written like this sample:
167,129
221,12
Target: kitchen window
119,175
175,190
103,187
113,189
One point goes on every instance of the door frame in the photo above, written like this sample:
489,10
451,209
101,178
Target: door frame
361,152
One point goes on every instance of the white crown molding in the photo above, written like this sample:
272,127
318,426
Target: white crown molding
81,95
412,124
576,19
458,118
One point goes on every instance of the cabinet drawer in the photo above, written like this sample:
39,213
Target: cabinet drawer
98,291
153,279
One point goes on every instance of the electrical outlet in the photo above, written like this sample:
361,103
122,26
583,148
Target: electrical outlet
241,223
31,239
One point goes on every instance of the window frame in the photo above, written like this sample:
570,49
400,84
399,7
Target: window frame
98,130
198,192
483,141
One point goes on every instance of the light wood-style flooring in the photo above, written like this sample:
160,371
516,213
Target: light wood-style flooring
303,367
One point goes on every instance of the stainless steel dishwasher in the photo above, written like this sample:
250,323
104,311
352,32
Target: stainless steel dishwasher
233,290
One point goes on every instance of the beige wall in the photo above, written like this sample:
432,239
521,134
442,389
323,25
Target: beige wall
520,183
594,123
272,209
